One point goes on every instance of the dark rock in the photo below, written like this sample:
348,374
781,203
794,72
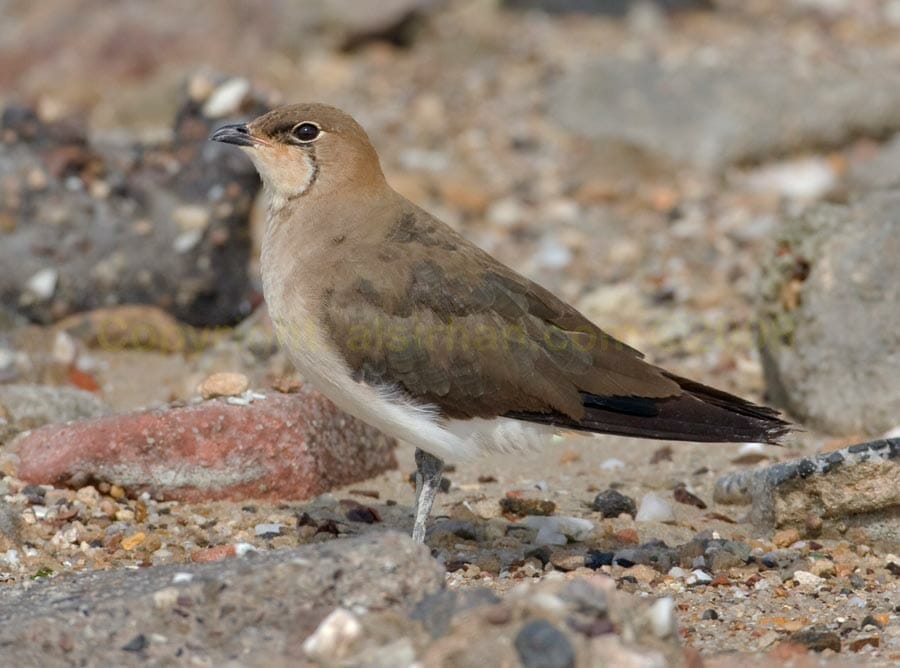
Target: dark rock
655,554
595,559
542,645
162,224
709,614
624,559
218,613
816,640
835,265
136,644
34,493
364,514
769,560
682,495
612,503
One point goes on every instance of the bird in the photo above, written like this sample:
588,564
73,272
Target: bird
405,324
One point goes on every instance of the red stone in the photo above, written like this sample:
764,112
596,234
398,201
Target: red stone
282,447
215,553
627,536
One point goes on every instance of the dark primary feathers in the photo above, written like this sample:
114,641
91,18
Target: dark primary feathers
445,323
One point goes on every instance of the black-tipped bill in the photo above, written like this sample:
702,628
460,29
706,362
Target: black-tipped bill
236,134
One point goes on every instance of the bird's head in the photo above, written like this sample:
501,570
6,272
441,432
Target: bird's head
305,150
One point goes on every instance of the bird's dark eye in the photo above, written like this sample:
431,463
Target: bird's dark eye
305,131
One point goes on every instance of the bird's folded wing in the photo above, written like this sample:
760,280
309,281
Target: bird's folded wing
449,326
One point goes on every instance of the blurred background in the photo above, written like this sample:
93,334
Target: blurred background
710,180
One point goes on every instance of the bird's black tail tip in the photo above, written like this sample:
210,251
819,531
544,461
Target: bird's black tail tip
700,413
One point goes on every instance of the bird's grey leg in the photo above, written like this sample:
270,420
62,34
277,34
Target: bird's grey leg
428,481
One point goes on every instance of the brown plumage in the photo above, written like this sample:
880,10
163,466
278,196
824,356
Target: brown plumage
405,323
454,328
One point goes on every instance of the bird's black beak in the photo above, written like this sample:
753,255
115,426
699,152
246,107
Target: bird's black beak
236,134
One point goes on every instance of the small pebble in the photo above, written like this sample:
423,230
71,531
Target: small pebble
214,553
642,573
698,577
824,568
227,98
547,536
333,637
654,509
807,579
190,218
709,613
88,495
870,620
267,529
574,528
817,640
611,503
662,617
595,559
136,644
223,385
682,495
132,541
519,507
540,644
43,284
786,537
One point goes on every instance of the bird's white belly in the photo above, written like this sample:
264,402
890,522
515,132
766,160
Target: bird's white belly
394,414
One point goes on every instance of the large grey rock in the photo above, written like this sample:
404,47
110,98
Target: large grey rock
717,108
880,171
250,611
25,407
375,601
829,317
83,227
827,493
